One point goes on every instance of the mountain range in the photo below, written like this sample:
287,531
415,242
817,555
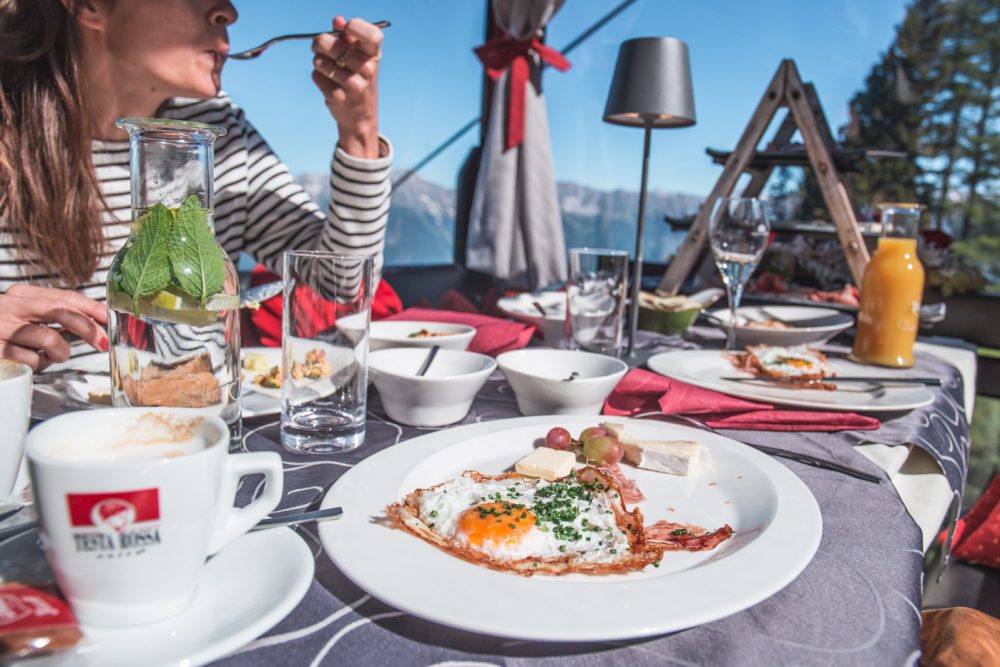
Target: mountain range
422,219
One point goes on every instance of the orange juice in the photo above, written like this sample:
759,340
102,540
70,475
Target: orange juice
891,292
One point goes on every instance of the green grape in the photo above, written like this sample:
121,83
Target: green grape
592,432
602,449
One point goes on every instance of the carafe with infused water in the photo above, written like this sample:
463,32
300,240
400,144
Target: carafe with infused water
891,292
173,292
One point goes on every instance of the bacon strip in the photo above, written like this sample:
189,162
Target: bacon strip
695,538
627,487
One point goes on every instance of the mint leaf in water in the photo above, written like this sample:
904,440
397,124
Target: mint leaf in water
199,268
145,269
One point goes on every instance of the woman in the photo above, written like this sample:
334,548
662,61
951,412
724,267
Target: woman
70,68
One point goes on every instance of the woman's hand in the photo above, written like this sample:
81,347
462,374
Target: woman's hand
346,72
25,313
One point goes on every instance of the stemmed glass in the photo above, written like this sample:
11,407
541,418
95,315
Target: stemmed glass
737,232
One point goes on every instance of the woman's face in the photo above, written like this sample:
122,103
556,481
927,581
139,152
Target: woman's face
174,47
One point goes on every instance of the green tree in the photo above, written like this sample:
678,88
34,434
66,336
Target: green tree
979,144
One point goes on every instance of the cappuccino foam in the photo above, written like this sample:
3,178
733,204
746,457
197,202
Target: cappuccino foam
10,369
151,437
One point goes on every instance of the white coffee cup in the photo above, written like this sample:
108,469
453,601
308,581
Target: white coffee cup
15,415
131,501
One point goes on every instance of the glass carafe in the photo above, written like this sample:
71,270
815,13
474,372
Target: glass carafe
891,292
173,292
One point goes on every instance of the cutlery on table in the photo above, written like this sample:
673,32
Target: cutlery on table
784,453
300,517
427,362
250,54
930,382
7,511
273,522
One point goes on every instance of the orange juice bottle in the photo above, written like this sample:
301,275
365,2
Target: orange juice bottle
891,292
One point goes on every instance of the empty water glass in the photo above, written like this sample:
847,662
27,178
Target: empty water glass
324,361
595,299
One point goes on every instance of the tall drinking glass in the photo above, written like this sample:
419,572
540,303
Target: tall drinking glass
324,362
595,299
737,232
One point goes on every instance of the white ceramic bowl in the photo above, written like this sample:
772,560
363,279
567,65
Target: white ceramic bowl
552,326
396,333
538,378
806,326
442,396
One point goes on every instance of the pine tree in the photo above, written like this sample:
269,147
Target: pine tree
979,144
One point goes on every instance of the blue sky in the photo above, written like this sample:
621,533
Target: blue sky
430,79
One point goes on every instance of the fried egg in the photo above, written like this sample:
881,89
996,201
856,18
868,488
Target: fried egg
793,363
510,522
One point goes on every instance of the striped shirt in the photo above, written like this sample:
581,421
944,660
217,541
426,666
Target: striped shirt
259,210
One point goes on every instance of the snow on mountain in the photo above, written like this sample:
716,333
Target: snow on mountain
422,218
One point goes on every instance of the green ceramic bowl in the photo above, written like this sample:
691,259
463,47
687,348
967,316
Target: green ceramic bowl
676,322
672,323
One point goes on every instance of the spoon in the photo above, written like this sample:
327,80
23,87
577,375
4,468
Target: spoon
250,54
427,362
273,522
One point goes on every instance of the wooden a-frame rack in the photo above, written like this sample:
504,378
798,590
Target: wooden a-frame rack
805,114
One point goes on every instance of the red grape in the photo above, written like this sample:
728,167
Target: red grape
558,438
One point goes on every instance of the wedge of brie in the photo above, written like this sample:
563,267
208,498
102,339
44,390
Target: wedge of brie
677,457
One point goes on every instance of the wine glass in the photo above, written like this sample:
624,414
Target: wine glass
737,232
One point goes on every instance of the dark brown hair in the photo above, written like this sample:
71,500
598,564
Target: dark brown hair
50,202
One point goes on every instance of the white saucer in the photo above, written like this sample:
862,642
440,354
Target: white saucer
243,592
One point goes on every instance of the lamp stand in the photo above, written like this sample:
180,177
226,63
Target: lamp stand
633,313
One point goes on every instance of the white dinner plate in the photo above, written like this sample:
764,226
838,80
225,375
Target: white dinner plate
776,520
706,368
552,326
259,400
805,326
399,333
242,593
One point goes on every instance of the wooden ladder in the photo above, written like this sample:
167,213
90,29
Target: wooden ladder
805,114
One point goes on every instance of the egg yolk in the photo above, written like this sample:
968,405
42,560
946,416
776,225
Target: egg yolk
794,362
495,523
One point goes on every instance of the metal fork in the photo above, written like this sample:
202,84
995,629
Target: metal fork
784,453
250,54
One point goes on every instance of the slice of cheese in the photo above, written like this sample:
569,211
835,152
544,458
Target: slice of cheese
677,457
546,463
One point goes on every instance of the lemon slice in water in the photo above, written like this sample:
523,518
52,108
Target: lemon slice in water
169,306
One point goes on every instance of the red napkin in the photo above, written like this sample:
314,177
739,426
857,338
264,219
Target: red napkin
493,335
642,391
977,534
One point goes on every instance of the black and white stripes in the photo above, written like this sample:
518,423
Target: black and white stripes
259,209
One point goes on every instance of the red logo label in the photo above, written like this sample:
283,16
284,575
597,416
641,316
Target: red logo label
116,511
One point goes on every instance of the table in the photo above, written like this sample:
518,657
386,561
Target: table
858,601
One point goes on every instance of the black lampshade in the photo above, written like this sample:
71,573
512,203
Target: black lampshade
652,84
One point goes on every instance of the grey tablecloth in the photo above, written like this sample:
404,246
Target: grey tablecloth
857,602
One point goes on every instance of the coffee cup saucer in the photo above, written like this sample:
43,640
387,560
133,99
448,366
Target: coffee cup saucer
242,593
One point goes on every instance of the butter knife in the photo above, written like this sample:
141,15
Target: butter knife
253,297
930,382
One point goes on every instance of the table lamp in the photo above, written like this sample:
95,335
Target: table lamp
651,88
